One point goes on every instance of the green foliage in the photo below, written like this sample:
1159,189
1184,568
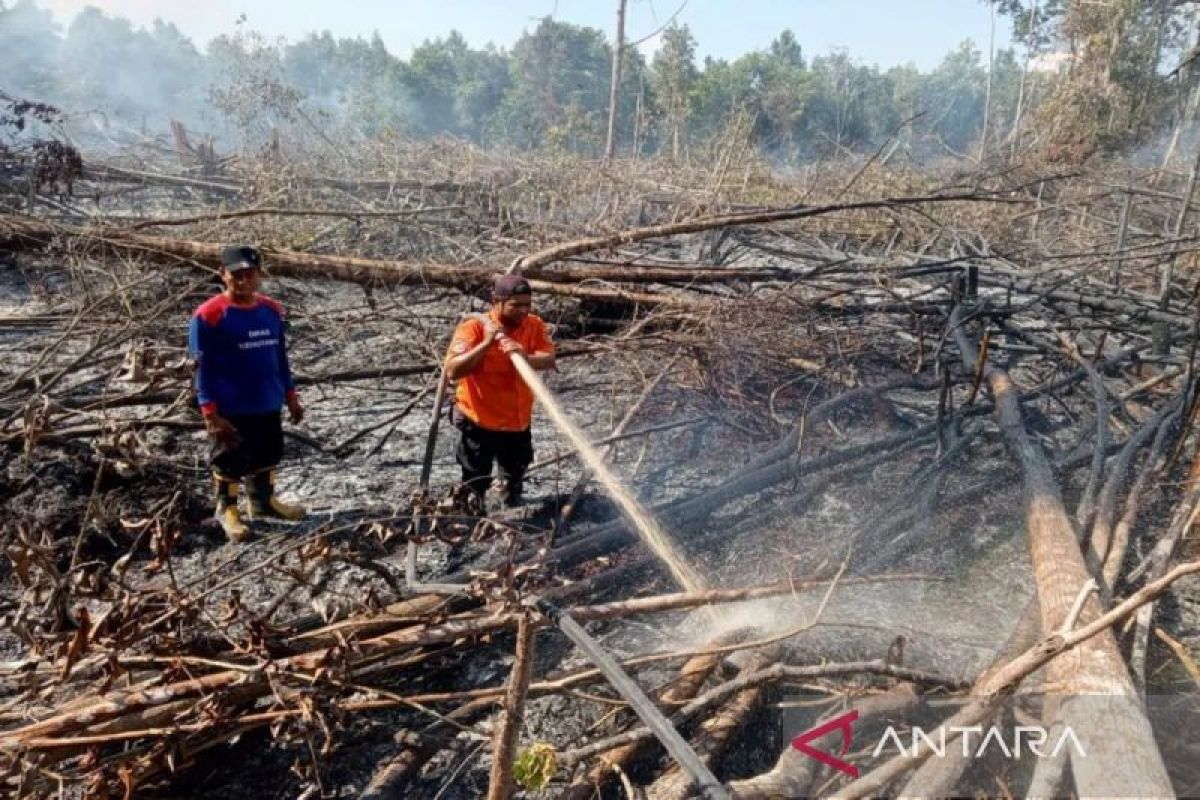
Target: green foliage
558,92
955,92
673,76
535,766
1037,25
551,88
454,87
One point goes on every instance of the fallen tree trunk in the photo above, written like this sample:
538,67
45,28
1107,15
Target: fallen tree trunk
292,263
1004,681
573,248
1135,308
1127,761
109,173
27,233
267,211
106,172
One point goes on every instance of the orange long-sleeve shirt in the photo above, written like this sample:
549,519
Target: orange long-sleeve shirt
494,396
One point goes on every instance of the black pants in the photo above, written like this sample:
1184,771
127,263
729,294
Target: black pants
512,451
260,446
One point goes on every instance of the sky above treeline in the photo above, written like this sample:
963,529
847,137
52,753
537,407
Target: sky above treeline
883,32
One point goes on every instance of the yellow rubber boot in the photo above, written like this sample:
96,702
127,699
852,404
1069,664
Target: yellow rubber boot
265,504
227,511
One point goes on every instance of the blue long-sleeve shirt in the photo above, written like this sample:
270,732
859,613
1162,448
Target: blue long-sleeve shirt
241,356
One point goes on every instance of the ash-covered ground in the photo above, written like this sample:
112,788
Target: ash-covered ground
948,533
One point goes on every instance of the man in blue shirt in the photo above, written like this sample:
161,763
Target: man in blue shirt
242,383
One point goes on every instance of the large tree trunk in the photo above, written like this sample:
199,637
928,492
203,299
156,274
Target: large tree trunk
1095,687
614,92
28,233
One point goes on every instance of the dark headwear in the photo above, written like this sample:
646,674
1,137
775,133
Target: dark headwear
508,285
240,256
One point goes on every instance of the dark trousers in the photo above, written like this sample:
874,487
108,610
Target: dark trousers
260,446
512,452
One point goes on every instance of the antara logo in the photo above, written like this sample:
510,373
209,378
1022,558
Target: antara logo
845,724
1032,739
1026,739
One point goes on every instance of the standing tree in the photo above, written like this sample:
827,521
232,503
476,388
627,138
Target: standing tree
453,87
786,88
614,92
251,90
558,89
954,94
1113,89
987,96
851,103
673,75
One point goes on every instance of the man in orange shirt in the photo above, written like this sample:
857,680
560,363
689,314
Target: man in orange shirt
493,406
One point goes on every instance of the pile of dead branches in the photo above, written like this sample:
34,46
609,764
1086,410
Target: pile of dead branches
979,351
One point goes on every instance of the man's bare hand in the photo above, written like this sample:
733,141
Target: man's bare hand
295,410
222,430
511,346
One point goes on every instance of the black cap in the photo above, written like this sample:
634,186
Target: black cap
508,285
240,256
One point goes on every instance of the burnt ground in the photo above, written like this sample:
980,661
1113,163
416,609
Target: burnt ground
960,550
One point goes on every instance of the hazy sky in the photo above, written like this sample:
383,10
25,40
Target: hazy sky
885,32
